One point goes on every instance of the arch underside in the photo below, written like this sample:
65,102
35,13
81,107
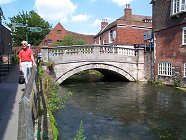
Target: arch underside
97,66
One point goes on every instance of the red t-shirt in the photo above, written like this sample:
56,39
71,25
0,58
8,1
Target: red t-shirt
25,55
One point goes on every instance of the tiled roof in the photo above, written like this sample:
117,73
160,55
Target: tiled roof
88,38
136,20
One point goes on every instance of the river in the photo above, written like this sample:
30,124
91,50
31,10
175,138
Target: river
123,111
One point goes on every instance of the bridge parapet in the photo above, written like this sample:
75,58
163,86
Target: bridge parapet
65,54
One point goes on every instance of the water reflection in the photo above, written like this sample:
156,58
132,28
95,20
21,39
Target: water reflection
119,111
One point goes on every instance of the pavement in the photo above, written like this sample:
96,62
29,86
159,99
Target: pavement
10,96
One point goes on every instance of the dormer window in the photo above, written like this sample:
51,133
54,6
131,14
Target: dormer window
178,6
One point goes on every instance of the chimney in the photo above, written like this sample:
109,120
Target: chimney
128,13
104,23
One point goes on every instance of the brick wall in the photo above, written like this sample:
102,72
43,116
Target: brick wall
161,13
130,35
53,36
169,48
58,33
5,40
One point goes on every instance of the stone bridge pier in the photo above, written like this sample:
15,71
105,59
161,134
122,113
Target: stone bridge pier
69,60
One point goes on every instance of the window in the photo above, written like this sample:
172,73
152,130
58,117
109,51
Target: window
178,6
110,36
165,69
100,39
49,41
58,32
184,36
184,69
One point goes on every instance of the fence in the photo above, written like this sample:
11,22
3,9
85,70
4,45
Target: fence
28,109
33,117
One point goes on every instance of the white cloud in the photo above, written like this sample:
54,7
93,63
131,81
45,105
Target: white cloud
78,18
55,9
122,2
96,23
6,1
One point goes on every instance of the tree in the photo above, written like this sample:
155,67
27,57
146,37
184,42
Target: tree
31,19
69,40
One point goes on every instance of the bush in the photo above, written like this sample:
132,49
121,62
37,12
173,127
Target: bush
15,59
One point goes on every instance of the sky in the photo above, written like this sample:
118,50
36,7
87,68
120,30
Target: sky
80,16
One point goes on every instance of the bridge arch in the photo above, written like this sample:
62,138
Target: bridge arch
88,66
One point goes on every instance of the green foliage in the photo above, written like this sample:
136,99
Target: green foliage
15,59
31,19
40,70
53,124
80,135
69,40
55,102
177,83
91,71
157,82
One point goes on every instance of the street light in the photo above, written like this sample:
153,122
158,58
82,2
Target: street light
26,31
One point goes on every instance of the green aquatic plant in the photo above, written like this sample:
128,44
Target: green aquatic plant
80,135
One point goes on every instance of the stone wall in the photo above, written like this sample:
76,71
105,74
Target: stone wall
149,65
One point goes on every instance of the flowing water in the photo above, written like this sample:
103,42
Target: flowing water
123,111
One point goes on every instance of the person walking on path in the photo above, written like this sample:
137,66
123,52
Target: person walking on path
26,60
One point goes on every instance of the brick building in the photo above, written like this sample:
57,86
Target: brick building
169,27
5,37
125,31
58,33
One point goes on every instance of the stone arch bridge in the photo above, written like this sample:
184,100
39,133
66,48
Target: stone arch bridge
68,60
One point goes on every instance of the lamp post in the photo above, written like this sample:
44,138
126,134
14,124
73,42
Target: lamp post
26,25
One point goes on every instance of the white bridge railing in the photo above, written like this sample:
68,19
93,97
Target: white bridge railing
90,49
67,54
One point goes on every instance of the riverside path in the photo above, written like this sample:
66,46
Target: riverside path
10,96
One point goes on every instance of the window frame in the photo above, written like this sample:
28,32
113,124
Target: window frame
59,32
100,40
111,36
49,41
178,6
184,36
185,70
165,69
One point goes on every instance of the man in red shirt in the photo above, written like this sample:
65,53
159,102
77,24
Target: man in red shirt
26,60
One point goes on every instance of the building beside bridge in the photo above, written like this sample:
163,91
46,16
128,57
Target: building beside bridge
169,26
128,30
125,31
57,35
5,37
